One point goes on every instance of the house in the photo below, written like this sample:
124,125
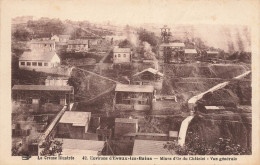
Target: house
60,38
149,76
40,94
150,147
133,97
190,54
42,45
78,45
38,60
81,147
56,81
74,125
122,55
124,126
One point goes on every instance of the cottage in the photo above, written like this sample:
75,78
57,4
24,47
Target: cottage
60,38
133,97
38,60
41,94
149,76
81,147
56,81
150,147
122,55
74,125
42,45
124,126
78,45
190,54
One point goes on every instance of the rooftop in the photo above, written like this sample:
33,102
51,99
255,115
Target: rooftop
121,50
214,107
151,70
173,44
212,52
81,147
134,88
126,120
150,147
190,51
42,88
37,56
75,118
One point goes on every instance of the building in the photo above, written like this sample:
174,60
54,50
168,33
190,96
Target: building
190,54
81,147
42,45
122,55
212,55
149,76
60,38
133,97
38,60
56,81
78,45
40,94
74,125
124,126
172,45
150,147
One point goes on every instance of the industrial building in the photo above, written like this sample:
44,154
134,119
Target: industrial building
124,126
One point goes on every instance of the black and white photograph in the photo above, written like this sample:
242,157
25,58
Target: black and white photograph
124,80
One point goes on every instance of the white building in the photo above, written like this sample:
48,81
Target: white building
42,45
78,45
38,60
60,38
122,55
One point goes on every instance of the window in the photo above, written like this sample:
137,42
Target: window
39,63
45,64
124,55
22,63
34,63
115,55
118,55
28,63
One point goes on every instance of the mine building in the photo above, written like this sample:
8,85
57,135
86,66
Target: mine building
78,45
133,97
74,125
38,60
190,54
124,126
38,95
212,55
60,38
42,45
56,81
81,147
122,55
149,76
150,147
172,52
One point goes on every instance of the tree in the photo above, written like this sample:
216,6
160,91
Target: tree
125,44
149,37
51,148
197,146
75,82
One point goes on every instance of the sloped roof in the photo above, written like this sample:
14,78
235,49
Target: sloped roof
126,120
80,147
64,36
190,51
121,50
134,88
150,147
173,44
151,70
42,88
37,56
212,52
78,41
75,118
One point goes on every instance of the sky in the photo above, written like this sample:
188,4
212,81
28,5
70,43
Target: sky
140,11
